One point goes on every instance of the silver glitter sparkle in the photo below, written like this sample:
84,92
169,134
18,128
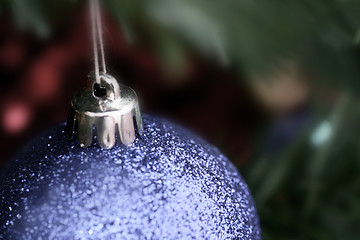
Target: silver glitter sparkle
168,185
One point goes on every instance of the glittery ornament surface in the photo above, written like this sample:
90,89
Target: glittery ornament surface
168,185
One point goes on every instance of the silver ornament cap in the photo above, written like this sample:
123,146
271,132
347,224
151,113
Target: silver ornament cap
116,110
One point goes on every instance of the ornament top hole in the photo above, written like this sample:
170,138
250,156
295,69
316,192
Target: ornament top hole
98,91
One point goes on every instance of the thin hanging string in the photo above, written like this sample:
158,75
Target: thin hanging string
100,33
96,27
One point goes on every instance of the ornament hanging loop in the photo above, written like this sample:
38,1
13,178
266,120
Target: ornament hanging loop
110,85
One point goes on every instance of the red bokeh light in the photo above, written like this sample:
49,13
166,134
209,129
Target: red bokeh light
16,117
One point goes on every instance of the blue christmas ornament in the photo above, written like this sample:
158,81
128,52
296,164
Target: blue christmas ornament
168,185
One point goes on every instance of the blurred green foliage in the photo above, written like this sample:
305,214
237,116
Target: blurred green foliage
311,190
308,191
247,34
